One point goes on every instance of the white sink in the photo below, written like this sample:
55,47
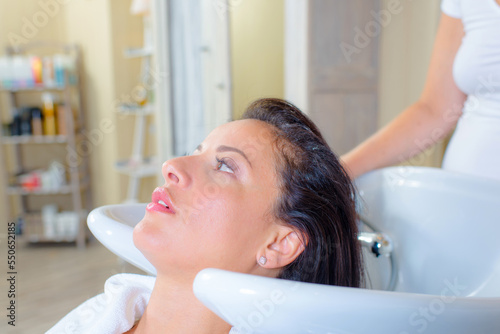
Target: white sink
112,225
445,229
445,226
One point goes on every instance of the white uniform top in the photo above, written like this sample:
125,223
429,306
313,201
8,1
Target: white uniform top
475,145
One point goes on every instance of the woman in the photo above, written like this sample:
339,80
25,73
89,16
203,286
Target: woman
264,195
463,85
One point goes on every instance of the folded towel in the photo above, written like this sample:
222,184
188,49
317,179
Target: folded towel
113,312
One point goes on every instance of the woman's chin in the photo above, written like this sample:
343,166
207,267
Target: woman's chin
146,240
135,237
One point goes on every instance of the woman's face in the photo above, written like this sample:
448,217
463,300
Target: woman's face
215,207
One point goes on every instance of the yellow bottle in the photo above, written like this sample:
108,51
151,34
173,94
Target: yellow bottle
49,115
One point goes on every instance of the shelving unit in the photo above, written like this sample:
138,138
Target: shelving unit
138,166
76,168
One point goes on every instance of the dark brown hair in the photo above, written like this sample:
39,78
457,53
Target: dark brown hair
316,197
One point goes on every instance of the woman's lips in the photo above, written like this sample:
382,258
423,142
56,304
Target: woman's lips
160,201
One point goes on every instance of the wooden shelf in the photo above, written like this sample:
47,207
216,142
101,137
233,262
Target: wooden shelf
58,139
67,189
147,168
136,110
137,52
38,239
35,88
77,188
21,191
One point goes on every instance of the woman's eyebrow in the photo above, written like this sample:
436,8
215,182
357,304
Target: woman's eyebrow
224,148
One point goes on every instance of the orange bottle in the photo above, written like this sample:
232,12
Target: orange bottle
49,115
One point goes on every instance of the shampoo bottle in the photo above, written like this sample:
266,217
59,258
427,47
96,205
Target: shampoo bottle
49,115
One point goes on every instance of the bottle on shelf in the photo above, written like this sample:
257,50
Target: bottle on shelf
48,72
27,72
53,80
6,72
59,65
36,122
62,113
49,213
22,73
36,68
15,126
49,115
25,122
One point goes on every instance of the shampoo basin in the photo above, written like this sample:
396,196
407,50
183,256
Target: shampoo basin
113,225
446,261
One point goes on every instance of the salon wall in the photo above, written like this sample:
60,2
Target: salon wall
257,42
405,48
257,35
98,85
127,32
109,80
17,16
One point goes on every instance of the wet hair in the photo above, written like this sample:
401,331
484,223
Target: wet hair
316,197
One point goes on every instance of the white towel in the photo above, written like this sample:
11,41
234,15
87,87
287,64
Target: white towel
113,312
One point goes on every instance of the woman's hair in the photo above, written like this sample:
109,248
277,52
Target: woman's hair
316,197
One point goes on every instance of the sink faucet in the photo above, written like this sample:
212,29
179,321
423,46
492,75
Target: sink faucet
379,243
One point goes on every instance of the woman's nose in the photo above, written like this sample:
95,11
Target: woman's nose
175,173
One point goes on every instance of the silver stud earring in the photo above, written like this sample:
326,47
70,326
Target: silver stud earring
262,260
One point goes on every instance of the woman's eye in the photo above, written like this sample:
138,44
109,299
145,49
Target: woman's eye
223,166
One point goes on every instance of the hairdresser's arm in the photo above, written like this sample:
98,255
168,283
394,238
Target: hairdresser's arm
431,118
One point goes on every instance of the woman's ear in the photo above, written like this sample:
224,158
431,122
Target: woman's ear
283,250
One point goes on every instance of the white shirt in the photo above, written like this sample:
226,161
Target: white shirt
476,69
475,145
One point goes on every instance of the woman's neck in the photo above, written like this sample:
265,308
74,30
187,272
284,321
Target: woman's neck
173,309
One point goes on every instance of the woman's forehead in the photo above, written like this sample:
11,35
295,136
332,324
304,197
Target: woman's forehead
254,138
246,131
